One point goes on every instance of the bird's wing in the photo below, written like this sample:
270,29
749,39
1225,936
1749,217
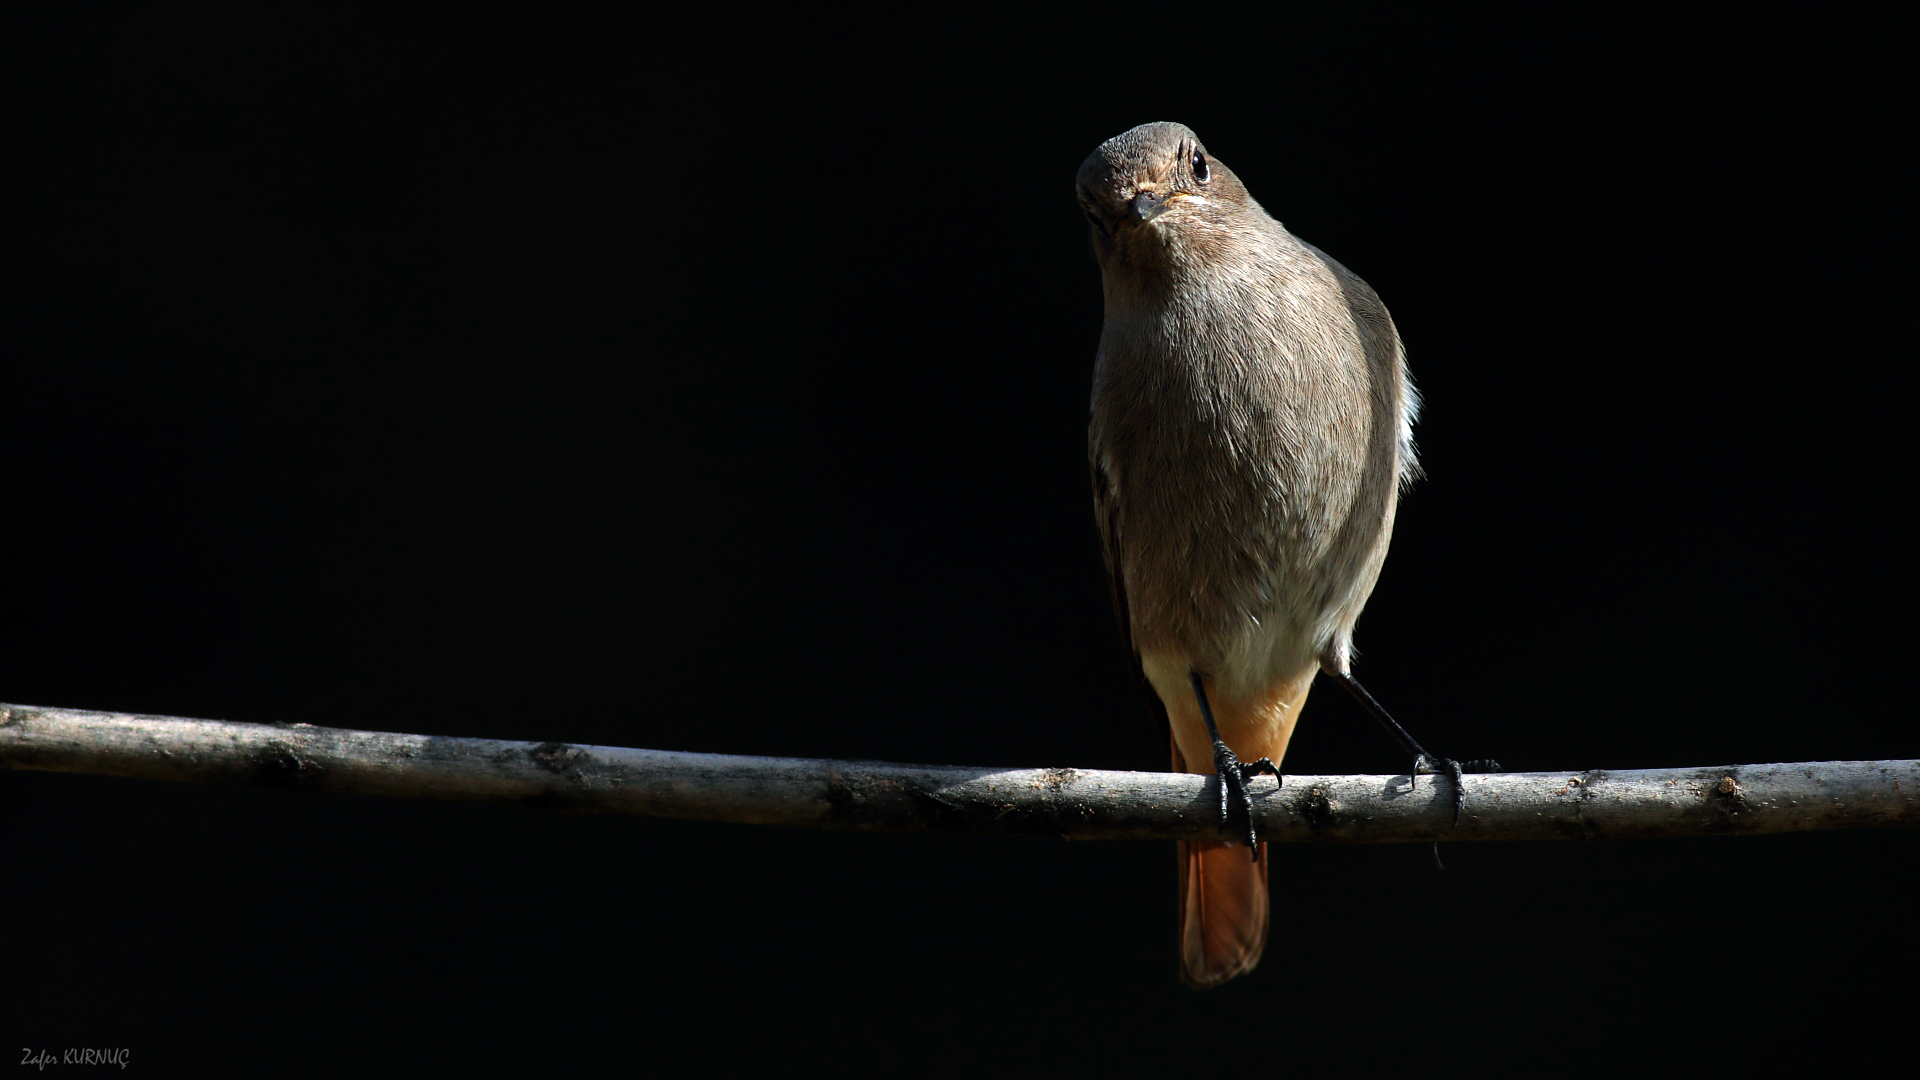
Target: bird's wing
1106,511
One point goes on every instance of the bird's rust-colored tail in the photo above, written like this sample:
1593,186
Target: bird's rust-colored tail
1224,909
1223,912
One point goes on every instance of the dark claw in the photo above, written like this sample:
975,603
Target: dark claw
1234,775
1427,766
1263,767
1424,764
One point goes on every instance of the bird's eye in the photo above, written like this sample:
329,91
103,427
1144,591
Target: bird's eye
1199,164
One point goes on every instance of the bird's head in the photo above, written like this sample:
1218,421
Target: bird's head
1155,196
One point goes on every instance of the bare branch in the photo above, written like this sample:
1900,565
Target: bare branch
1073,804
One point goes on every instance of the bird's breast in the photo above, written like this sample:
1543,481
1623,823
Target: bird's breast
1236,440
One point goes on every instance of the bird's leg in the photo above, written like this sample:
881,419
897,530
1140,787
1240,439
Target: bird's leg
1233,774
1423,762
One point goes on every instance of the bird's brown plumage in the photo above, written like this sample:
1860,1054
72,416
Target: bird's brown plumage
1251,426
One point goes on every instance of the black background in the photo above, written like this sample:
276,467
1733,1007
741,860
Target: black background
719,383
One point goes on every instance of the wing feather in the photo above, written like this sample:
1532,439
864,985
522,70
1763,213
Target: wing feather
1106,509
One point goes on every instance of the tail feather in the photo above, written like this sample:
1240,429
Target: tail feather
1223,911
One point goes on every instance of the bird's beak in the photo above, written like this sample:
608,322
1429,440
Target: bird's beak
1148,205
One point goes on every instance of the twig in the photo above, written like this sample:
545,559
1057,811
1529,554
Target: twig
1074,804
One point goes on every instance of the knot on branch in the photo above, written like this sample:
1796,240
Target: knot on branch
281,762
557,757
1729,795
1055,779
1317,807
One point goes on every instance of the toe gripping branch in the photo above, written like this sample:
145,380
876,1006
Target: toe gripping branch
1236,811
1424,764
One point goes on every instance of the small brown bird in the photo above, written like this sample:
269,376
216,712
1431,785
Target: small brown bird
1251,428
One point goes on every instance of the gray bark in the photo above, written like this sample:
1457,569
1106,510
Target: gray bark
1074,804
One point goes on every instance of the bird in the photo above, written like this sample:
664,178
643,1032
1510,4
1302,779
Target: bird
1250,431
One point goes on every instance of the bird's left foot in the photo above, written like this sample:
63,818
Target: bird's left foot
1236,809
1236,801
1423,765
